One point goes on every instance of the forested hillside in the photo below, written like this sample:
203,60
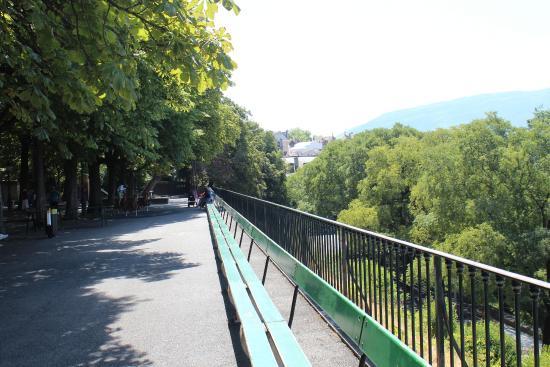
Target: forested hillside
479,190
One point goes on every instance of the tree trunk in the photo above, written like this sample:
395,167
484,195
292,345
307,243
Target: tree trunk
96,199
111,177
150,186
2,229
84,187
39,179
71,187
9,199
24,169
131,183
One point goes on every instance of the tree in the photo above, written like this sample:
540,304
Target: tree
102,86
329,183
298,135
253,165
480,243
478,190
391,173
358,215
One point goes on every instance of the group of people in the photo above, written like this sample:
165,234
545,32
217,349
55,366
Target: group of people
28,199
205,196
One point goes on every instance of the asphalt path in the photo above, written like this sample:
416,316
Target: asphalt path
140,292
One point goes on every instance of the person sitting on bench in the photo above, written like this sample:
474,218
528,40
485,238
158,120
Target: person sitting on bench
203,199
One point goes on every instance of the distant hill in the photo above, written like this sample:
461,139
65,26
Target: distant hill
517,107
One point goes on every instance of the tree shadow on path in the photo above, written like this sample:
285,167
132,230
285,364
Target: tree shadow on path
50,313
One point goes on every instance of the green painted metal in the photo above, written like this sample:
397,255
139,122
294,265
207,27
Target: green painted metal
379,345
382,347
345,313
287,348
256,342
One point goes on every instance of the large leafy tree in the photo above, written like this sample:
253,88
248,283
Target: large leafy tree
253,165
101,81
298,135
327,184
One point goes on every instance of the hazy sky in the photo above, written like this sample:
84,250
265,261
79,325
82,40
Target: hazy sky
329,65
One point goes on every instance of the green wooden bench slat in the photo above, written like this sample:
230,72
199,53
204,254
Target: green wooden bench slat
268,310
381,346
285,342
288,349
255,338
246,271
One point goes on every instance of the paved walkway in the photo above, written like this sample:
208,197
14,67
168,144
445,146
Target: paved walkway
141,292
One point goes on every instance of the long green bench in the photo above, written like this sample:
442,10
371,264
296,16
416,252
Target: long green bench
254,307
380,346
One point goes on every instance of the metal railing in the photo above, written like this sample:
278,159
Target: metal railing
450,310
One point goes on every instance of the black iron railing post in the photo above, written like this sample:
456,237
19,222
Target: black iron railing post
439,312
427,258
535,293
293,306
344,262
516,288
449,265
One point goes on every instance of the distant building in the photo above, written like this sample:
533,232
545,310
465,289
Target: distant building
285,147
283,142
324,139
306,149
296,162
303,149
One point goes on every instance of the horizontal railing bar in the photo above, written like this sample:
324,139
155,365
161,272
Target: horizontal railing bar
480,266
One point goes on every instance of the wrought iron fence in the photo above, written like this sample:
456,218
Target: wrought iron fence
450,310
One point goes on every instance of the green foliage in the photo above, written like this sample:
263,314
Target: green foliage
55,55
136,85
494,341
478,190
253,165
392,173
360,216
481,243
529,360
329,182
298,135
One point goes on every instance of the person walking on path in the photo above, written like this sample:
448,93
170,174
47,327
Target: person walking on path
54,198
211,195
121,190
